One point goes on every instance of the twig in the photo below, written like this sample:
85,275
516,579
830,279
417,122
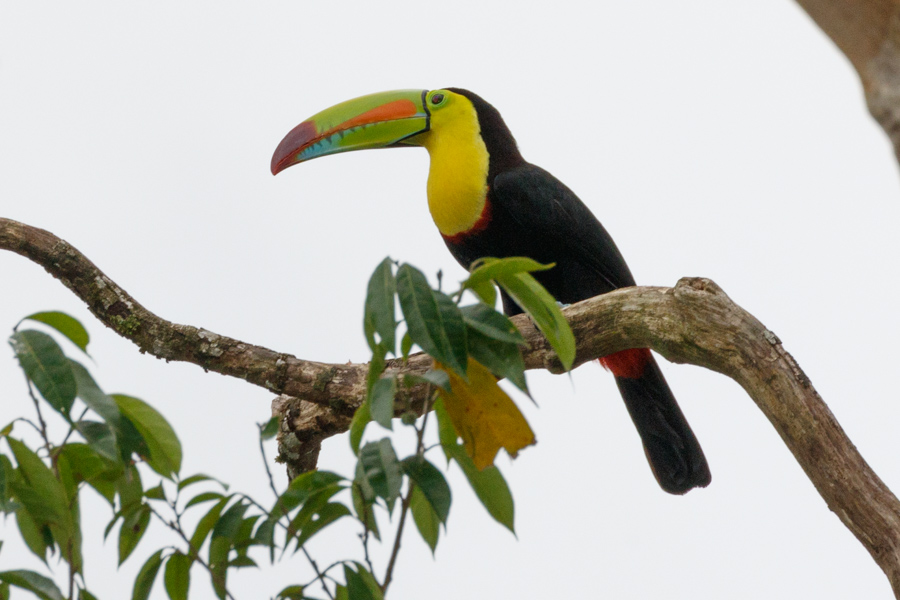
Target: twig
43,427
364,537
262,451
319,574
420,451
72,428
388,575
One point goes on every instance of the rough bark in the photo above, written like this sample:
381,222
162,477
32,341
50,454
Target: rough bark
868,33
695,322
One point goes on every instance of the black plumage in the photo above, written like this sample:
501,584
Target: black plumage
531,213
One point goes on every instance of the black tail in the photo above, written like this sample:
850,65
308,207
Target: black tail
671,447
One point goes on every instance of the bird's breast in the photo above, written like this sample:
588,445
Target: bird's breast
457,179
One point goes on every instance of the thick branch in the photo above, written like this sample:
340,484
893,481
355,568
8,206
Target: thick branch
868,32
115,308
695,322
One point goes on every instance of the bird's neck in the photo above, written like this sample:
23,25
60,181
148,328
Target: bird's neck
458,177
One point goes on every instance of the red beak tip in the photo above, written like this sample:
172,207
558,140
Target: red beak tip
293,142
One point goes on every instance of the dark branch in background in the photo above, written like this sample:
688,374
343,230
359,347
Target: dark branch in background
868,33
695,322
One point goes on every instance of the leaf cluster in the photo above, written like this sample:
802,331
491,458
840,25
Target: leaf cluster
110,433
472,346
102,449
111,440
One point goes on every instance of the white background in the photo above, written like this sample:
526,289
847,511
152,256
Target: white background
726,140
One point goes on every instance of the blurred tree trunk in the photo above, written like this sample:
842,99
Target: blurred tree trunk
868,33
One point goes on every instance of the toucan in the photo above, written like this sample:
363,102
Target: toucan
486,200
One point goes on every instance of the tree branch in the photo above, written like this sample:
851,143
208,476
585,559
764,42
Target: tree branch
695,322
868,33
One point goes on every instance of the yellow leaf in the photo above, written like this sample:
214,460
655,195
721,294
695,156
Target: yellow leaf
484,416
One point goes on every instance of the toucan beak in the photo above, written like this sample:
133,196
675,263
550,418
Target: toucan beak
378,120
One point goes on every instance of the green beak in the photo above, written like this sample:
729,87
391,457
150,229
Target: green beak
375,121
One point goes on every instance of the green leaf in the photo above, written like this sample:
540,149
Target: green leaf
218,564
361,418
381,401
432,483
100,437
435,377
4,591
87,465
300,489
244,537
488,484
192,480
241,562
130,441
365,512
134,525
83,594
204,497
406,345
291,592
91,394
130,488
490,487
326,515
67,325
502,359
427,521
433,320
228,524
69,542
380,469
312,506
543,309
488,268
178,576
7,505
37,584
265,533
357,589
270,429
143,583
380,317
488,322
446,432
486,292
47,367
42,494
156,493
369,580
163,444
376,365
37,537
67,477
205,525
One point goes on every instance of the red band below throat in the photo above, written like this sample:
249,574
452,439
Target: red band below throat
480,225
627,363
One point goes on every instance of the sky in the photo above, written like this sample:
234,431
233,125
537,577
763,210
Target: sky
723,140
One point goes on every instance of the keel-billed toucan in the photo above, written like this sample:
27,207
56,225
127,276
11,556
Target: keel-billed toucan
486,200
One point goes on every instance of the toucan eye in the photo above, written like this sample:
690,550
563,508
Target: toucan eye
438,99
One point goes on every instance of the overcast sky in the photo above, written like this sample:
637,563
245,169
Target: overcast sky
725,140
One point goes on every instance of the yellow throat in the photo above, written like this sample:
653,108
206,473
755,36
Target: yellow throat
457,179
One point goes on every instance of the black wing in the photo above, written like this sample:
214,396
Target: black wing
536,215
